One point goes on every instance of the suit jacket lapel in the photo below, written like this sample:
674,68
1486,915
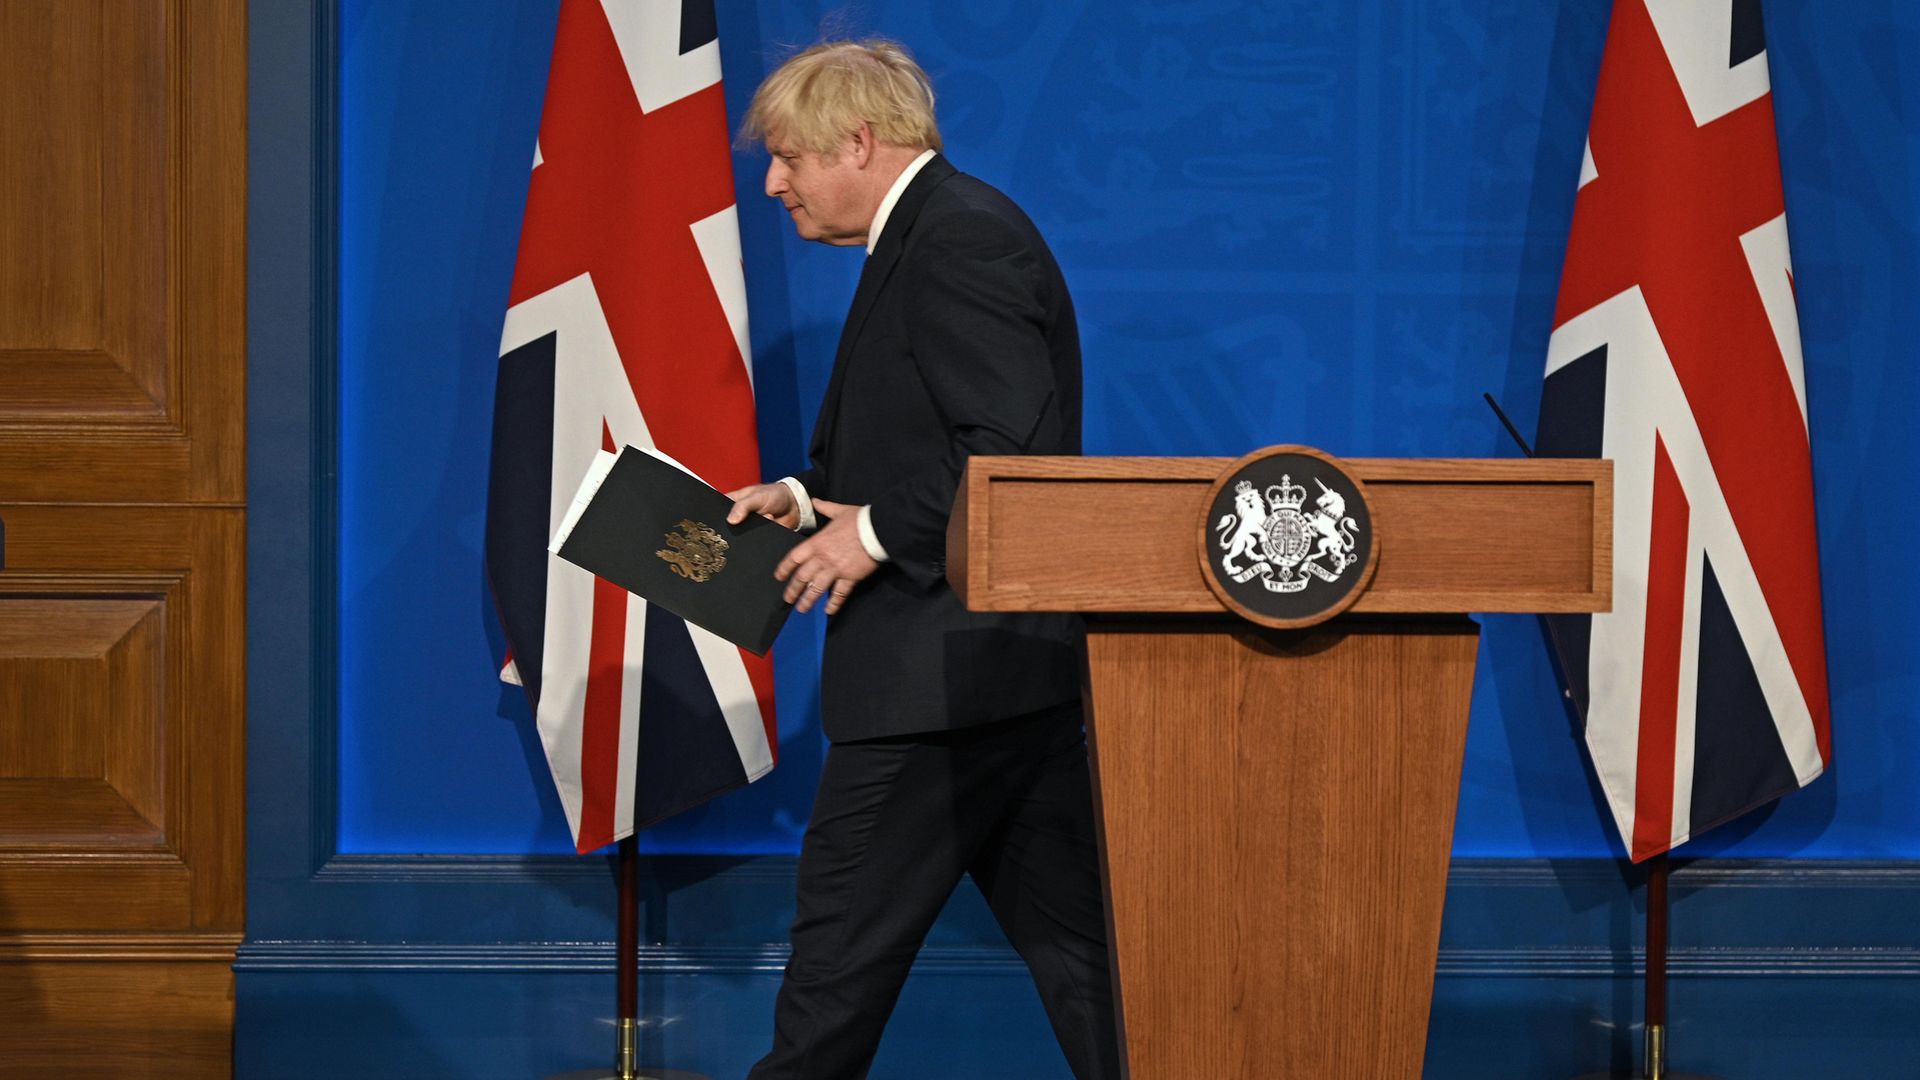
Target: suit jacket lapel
873,279
872,276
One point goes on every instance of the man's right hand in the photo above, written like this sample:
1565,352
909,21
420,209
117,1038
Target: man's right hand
773,501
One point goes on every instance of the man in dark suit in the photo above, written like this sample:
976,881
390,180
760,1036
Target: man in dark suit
957,745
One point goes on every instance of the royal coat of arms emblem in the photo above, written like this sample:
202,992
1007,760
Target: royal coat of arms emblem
695,550
1288,540
1275,540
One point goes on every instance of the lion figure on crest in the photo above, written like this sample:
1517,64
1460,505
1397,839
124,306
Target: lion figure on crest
1251,514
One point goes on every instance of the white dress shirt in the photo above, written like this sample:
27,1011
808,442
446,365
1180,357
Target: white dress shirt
808,519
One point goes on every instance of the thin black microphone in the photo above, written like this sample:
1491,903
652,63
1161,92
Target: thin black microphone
1511,430
1556,655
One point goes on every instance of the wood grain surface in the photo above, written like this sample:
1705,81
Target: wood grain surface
152,1008
1119,534
121,743
1277,809
122,489
122,251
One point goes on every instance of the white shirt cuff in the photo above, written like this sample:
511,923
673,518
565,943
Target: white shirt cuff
868,539
808,522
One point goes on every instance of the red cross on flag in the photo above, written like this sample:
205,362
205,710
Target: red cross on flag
1676,352
627,325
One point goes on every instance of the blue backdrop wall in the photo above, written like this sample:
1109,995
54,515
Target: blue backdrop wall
1333,223
1326,221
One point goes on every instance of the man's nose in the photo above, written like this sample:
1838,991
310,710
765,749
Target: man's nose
776,180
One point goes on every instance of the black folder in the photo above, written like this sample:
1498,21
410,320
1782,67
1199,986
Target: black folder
662,534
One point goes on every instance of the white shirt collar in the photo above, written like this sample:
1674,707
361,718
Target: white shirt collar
893,196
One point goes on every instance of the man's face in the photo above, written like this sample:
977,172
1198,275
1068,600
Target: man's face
823,193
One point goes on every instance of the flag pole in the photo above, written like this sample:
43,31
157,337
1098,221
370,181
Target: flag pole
1653,1061
1654,1056
626,967
626,1040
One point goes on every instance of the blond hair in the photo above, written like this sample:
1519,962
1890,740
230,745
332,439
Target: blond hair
820,96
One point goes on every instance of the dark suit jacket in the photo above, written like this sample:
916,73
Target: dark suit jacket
961,340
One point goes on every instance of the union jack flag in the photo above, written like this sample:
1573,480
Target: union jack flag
1676,352
627,325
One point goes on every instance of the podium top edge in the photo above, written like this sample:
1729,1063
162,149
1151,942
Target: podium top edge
1206,469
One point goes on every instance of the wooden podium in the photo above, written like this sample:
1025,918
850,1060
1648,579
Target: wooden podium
1277,805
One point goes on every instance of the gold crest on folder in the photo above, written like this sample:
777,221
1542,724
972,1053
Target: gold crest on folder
695,551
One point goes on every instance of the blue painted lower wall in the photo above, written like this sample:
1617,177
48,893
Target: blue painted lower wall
501,968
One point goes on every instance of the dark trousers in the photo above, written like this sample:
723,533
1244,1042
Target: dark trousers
895,825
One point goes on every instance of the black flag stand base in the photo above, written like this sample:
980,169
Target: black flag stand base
626,1043
1653,1063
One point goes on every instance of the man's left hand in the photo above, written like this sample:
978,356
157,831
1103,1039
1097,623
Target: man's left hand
829,563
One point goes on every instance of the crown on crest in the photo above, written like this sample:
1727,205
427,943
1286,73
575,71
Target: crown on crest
1286,495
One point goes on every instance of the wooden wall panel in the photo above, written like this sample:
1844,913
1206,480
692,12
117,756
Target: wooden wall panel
50,283
79,682
122,217
122,486
140,1008
139,755
121,788
83,284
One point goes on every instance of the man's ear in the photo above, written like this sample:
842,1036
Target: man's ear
863,145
